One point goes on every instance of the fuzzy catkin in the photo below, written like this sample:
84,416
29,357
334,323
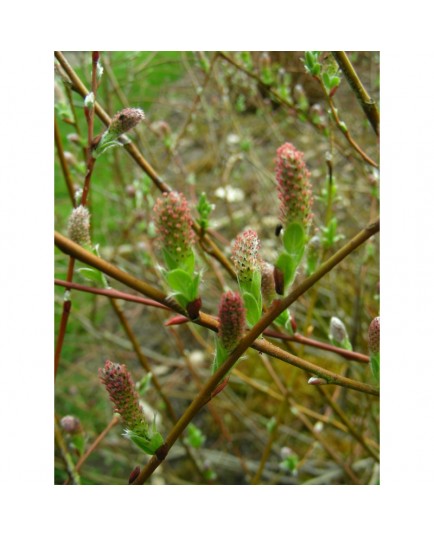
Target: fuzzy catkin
174,224
123,394
338,331
124,121
232,320
374,336
293,186
268,286
79,226
245,255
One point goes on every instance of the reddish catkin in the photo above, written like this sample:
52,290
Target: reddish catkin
245,255
174,225
232,320
293,186
122,393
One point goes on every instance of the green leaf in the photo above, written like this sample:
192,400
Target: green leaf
375,366
148,445
92,274
186,264
253,308
294,240
179,280
209,474
204,208
204,63
309,59
104,146
220,355
334,81
288,325
195,286
343,127
283,318
286,264
271,425
195,437
246,58
79,442
316,69
329,233
290,463
245,145
255,288
311,62
170,262
181,299
267,76
182,283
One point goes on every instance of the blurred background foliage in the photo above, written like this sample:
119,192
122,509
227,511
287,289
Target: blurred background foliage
214,127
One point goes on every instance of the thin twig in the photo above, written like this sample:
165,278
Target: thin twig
301,339
368,104
115,420
344,129
90,164
63,163
111,293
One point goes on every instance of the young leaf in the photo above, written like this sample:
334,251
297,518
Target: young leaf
195,437
79,443
253,308
183,283
286,264
92,274
148,445
204,208
326,80
220,355
284,320
375,366
186,264
294,240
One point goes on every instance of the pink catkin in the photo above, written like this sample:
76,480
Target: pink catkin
232,319
245,255
123,394
293,186
174,224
